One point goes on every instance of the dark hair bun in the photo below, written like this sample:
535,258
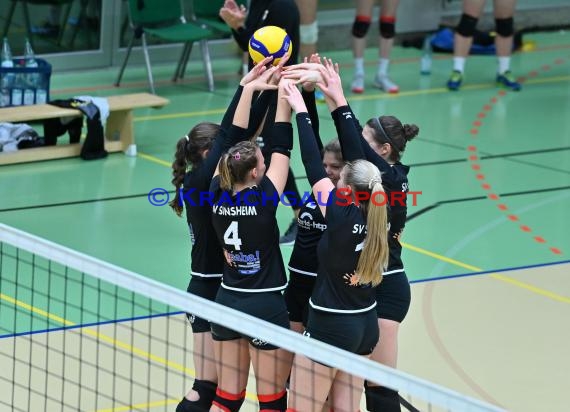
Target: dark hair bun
410,131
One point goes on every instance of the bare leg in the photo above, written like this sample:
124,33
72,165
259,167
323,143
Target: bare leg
232,364
296,326
363,11
388,9
462,44
204,362
308,14
310,384
386,353
363,8
346,392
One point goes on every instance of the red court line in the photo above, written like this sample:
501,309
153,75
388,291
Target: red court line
472,149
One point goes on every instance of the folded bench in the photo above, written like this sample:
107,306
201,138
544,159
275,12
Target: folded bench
119,135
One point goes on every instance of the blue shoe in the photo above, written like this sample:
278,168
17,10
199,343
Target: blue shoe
508,80
319,96
454,82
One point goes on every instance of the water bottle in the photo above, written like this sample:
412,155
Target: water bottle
425,61
31,83
6,78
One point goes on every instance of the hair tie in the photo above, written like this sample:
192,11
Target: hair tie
187,138
236,156
374,181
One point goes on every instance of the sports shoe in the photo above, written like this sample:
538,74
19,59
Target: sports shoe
319,96
508,80
358,83
384,83
289,237
454,82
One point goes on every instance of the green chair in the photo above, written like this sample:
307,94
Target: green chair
165,20
206,12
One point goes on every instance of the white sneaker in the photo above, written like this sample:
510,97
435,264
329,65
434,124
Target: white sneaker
358,83
384,83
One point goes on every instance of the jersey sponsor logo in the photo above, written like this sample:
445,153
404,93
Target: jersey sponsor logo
306,221
245,264
234,210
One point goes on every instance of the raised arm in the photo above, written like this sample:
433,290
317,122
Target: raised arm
310,153
281,142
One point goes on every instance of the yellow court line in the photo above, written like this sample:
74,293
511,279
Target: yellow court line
441,257
154,159
502,278
35,310
534,289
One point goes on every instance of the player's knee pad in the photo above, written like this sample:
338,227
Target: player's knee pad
309,33
387,27
207,392
504,27
361,26
274,402
466,26
381,399
230,402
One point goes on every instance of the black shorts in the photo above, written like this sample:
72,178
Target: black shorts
297,294
269,306
206,288
354,332
393,297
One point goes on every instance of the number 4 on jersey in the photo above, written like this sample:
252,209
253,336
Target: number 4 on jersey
231,236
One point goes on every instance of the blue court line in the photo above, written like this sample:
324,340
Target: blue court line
486,272
86,325
509,269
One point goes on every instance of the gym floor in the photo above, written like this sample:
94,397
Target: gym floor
486,244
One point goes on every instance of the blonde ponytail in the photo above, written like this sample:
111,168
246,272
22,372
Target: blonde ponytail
374,257
225,173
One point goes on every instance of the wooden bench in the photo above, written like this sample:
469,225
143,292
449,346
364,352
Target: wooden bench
119,134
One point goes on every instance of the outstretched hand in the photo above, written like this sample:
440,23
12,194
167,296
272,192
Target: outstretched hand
289,91
331,84
257,71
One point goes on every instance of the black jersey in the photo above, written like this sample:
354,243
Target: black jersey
311,225
207,257
246,227
394,180
337,288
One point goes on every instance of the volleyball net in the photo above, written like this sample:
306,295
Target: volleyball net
77,333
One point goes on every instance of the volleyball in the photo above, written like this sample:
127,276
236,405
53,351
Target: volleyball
269,41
